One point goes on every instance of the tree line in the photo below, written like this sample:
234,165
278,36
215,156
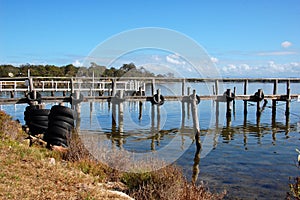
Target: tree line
129,70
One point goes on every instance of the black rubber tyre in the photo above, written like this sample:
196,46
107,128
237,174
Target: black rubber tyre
56,131
63,111
61,124
157,101
61,118
39,112
58,141
39,118
39,123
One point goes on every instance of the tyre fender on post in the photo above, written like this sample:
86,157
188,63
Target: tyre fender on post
75,101
30,97
158,101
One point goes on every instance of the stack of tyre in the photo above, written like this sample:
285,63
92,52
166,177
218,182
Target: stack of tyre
36,119
60,126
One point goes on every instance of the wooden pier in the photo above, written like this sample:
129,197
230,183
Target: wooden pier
134,89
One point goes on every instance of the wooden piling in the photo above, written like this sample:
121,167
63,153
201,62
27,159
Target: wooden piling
258,110
288,98
114,87
188,105
153,87
228,103
217,87
196,120
182,87
245,93
12,94
275,88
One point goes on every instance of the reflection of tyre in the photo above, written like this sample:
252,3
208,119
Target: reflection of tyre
60,125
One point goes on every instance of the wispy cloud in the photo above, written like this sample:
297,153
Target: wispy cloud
277,53
269,69
175,59
286,44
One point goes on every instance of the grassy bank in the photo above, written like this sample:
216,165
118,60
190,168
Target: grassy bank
38,173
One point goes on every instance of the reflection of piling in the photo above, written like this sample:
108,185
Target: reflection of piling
196,169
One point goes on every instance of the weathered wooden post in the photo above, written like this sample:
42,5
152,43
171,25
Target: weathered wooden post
259,98
182,87
153,87
245,93
217,86
188,105
196,120
77,106
114,87
113,117
12,94
233,104
288,98
228,102
274,100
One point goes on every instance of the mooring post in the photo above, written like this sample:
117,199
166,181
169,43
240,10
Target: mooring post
259,95
228,103
78,109
217,86
153,87
114,87
196,120
288,98
12,94
72,86
113,117
245,93
188,105
121,117
233,104
182,87
274,100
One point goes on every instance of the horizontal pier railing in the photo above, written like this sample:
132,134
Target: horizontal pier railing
98,86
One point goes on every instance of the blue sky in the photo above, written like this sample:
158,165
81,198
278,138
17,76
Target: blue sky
242,37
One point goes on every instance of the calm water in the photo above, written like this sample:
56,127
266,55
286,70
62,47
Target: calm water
251,158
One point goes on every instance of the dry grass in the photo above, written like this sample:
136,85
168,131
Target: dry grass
29,173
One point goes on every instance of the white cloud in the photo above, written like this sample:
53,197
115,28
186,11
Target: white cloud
286,44
267,69
175,59
77,63
276,53
214,60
